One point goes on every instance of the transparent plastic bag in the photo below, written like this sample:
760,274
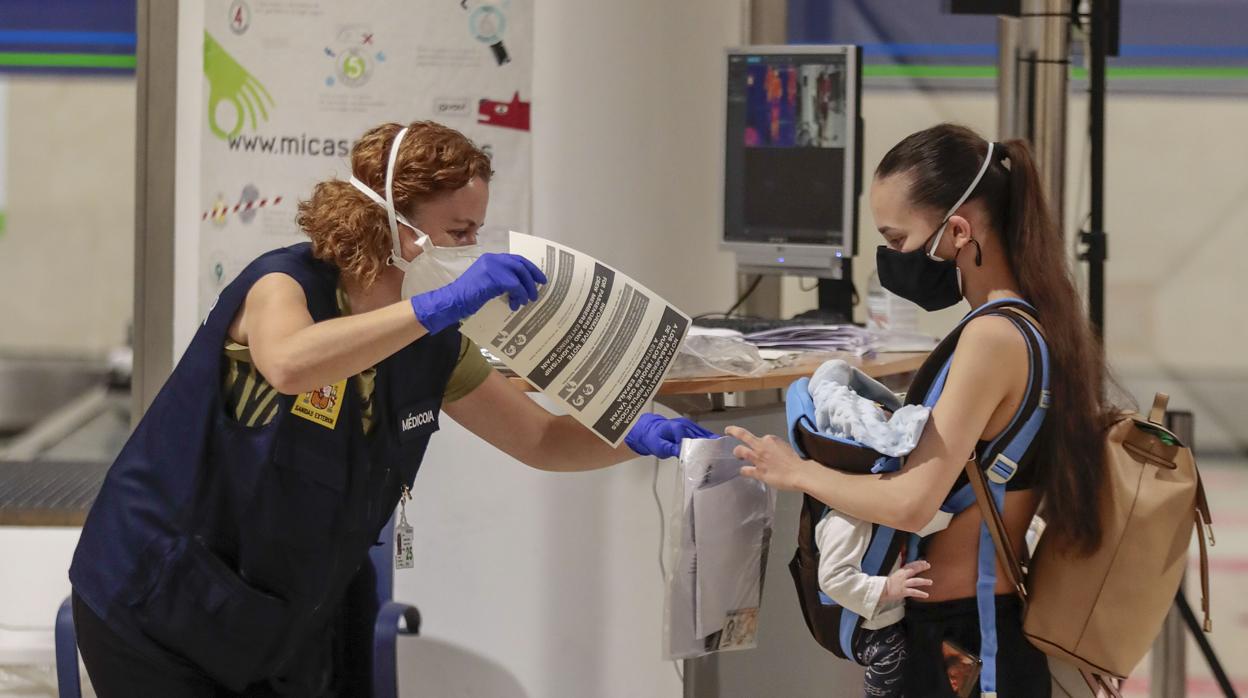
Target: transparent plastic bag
712,353
720,534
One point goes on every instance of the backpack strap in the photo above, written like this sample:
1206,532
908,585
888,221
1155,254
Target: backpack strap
991,514
930,382
1204,525
987,479
884,541
1204,572
1005,454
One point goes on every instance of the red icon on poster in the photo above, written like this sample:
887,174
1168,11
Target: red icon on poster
513,114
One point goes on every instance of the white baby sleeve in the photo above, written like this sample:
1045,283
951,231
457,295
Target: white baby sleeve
842,541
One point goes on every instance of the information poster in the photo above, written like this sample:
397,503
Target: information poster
595,341
289,85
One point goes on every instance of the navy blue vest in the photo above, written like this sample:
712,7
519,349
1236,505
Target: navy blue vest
232,546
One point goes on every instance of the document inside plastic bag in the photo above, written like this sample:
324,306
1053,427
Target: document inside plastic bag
720,536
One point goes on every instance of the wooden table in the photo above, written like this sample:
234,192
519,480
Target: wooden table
882,366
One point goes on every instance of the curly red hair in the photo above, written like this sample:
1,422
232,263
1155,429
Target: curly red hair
351,231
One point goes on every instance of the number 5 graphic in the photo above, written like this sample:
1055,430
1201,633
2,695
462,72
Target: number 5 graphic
230,82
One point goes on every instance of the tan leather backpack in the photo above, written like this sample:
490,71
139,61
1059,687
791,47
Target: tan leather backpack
1101,612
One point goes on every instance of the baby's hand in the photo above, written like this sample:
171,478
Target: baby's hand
904,583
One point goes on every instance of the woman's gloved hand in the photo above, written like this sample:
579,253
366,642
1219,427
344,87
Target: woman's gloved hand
491,275
654,435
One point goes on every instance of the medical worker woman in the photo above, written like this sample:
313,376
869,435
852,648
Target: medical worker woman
963,218
218,557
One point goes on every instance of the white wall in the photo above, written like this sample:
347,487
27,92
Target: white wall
627,138
67,253
556,576
1177,214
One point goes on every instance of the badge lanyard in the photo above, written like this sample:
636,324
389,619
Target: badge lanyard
403,558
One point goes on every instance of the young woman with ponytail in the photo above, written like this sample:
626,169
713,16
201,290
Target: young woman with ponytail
965,218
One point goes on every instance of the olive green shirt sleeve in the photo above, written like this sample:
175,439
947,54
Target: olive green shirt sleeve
470,372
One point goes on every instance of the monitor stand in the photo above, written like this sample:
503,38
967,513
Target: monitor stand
836,297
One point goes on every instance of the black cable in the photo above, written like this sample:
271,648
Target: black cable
757,280
654,488
1095,253
658,501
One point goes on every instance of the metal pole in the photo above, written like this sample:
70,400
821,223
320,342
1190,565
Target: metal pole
1168,666
1096,250
156,81
1008,30
1046,31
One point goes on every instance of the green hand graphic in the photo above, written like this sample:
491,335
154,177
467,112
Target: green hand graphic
230,82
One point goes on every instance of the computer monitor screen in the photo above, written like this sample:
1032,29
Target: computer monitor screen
790,157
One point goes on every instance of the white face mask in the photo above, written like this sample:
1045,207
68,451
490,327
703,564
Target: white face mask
435,266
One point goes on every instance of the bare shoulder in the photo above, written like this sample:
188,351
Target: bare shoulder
275,286
275,299
993,344
994,329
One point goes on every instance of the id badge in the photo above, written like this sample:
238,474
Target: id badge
404,559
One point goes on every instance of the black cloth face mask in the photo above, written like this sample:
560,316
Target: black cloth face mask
920,276
932,284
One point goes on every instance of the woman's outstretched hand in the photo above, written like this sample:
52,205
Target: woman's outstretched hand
771,460
656,435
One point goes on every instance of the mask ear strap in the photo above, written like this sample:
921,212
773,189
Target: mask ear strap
396,252
931,253
367,191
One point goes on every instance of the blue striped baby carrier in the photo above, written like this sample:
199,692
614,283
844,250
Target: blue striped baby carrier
837,629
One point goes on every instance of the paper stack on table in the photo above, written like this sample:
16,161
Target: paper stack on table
842,338
847,338
722,535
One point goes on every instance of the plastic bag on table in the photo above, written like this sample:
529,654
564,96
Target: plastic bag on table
720,537
713,352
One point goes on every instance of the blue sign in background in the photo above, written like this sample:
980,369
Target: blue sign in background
75,36
1162,40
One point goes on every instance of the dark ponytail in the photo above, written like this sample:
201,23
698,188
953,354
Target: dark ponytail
1070,455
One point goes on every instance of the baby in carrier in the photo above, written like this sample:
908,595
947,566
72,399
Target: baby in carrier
849,405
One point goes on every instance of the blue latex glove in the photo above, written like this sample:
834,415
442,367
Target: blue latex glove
654,435
491,275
